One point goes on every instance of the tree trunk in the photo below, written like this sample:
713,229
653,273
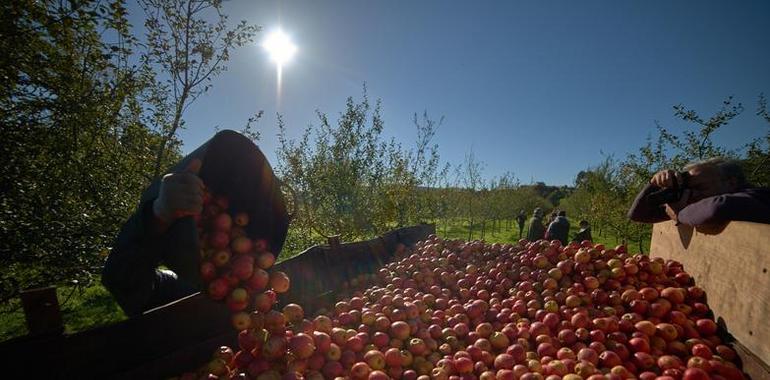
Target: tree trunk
172,132
470,230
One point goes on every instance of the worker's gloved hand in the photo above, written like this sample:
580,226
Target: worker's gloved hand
181,194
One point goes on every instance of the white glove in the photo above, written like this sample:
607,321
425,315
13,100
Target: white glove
180,195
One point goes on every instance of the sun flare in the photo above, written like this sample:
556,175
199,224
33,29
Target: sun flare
280,47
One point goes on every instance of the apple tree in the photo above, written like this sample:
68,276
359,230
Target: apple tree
187,44
75,152
349,180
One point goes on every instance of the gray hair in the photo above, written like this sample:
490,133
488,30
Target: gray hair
727,169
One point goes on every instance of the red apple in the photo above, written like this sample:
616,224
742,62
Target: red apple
258,280
265,260
219,240
241,320
241,245
301,345
375,359
218,289
360,370
208,271
279,282
243,267
241,219
221,258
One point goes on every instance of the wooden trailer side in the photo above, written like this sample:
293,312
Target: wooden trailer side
177,337
732,266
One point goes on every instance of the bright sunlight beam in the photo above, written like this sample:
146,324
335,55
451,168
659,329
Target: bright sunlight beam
280,47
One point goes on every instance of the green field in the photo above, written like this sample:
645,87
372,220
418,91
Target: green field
89,307
511,235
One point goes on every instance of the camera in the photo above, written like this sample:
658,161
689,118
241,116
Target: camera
671,194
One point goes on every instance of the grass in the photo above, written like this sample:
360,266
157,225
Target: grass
82,309
511,235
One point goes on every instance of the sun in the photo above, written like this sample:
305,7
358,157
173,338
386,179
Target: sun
280,47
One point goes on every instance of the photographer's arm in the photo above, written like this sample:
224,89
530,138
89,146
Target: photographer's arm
644,212
742,206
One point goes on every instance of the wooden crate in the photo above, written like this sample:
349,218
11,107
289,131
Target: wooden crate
732,266
177,337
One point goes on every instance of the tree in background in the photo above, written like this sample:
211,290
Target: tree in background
75,152
425,165
412,173
499,200
350,181
184,53
757,162
469,175
89,117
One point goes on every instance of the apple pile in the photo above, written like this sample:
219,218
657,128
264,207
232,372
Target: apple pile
455,310
233,266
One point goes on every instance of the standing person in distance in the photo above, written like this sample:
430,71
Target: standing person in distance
584,233
558,229
520,219
536,228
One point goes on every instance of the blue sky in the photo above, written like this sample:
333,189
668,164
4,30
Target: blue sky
540,89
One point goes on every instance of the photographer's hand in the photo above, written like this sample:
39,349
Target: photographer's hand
665,179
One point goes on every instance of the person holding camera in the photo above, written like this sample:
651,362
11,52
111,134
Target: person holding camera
708,192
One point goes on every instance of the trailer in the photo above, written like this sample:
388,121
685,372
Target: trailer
177,337
731,265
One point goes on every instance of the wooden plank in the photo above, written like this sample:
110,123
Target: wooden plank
411,235
321,270
751,364
41,310
122,346
732,266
